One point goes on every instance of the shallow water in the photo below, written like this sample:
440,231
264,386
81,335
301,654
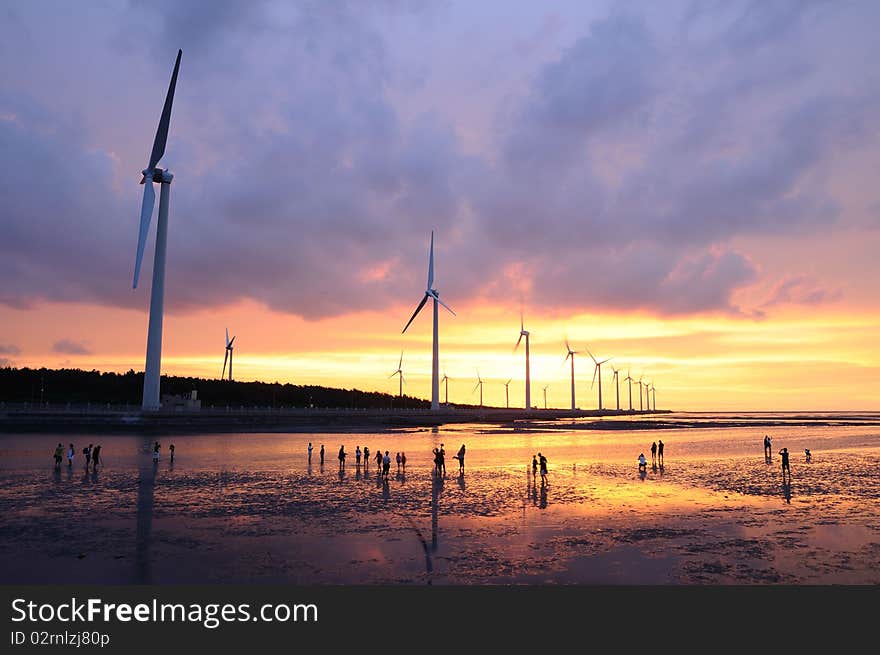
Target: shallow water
249,508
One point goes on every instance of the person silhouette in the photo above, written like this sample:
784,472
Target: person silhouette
357,456
460,457
156,448
59,455
660,452
808,454
341,457
643,463
96,458
366,459
310,452
785,464
403,461
654,452
543,463
398,460
171,451
322,454
386,465
443,459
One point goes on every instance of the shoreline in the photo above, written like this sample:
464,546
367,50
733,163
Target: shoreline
292,420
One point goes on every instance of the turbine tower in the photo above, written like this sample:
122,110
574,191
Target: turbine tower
654,396
630,380
431,292
228,356
640,393
480,385
597,369
616,379
524,333
507,393
445,381
571,353
648,388
152,174
399,372
545,395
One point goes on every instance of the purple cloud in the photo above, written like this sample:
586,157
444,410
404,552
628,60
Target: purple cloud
68,347
9,349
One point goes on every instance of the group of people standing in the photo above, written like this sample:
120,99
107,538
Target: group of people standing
656,457
91,454
383,462
786,460
539,461
440,460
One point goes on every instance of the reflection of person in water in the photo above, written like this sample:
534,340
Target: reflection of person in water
543,503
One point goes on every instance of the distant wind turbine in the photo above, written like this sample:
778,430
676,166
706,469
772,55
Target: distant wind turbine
507,393
524,333
640,393
445,381
616,379
571,353
545,396
648,387
480,385
431,292
399,372
228,356
598,369
654,396
630,380
152,174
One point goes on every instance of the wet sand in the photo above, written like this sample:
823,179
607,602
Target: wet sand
251,510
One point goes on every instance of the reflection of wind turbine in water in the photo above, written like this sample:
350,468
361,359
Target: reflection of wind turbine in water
545,395
143,538
436,488
152,174
598,368
524,333
571,353
399,372
507,393
479,384
616,380
445,381
228,355
629,379
430,292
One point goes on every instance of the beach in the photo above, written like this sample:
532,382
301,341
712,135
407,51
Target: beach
249,508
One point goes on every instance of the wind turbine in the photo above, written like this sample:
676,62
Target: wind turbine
598,369
399,372
431,292
571,353
616,379
654,396
630,380
507,393
445,380
151,174
640,393
648,388
524,333
228,356
545,395
479,384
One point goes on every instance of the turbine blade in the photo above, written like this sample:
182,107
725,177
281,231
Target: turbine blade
517,342
231,340
162,130
223,374
521,324
443,303
400,363
567,355
591,356
146,217
416,313
595,368
227,336
431,263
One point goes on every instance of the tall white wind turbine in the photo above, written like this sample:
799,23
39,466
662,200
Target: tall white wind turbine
616,380
153,174
399,372
571,353
480,385
629,379
431,292
597,369
524,333
228,356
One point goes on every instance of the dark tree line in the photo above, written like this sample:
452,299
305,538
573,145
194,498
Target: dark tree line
53,386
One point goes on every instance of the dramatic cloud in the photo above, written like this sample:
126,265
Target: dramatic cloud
68,347
9,349
309,172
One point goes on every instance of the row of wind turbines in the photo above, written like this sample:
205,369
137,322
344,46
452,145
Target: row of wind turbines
432,293
152,174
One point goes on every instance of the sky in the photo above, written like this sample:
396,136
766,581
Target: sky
688,188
